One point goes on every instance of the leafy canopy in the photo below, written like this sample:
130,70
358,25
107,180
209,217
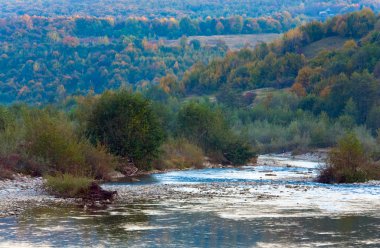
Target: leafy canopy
126,124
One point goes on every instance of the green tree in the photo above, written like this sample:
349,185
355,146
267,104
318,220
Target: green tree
127,126
207,128
373,120
187,26
202,126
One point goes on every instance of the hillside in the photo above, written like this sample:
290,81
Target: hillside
303,90
312,59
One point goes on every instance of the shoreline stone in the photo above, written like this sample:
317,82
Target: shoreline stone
24,192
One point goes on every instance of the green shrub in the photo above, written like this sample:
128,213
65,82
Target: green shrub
67,185
11,132
348,163
38,142
50,140
238,152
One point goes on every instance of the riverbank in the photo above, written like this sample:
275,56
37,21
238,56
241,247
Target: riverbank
261,205
278,185
24,192
254,199
285,189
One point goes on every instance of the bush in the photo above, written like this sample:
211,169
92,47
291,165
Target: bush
100,161
348,163
127,126
39,142
67,185
11,132
51,142
179,153
238,152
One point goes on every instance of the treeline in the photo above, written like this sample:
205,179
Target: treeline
172,28
282,100
142,27
90,137
177,8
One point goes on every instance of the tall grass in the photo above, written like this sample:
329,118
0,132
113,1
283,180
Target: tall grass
179,153
68,185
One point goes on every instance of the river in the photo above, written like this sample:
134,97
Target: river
276,204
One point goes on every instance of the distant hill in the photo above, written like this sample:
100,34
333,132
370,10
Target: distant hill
326,64
179,8
45,60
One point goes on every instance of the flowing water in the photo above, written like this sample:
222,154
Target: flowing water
262,206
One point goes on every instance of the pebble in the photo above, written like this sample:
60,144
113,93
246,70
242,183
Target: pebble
23,192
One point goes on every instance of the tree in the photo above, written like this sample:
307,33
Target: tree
71,41
187,26
313,30
5,118
202,126
170,84
195,44
373,120
127,126
307,76
207,128
219,28
238,152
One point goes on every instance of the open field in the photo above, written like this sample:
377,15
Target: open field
329,43
234,42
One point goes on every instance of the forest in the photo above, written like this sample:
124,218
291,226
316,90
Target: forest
46,56
45,59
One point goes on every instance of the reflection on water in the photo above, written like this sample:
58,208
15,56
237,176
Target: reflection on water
155,225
